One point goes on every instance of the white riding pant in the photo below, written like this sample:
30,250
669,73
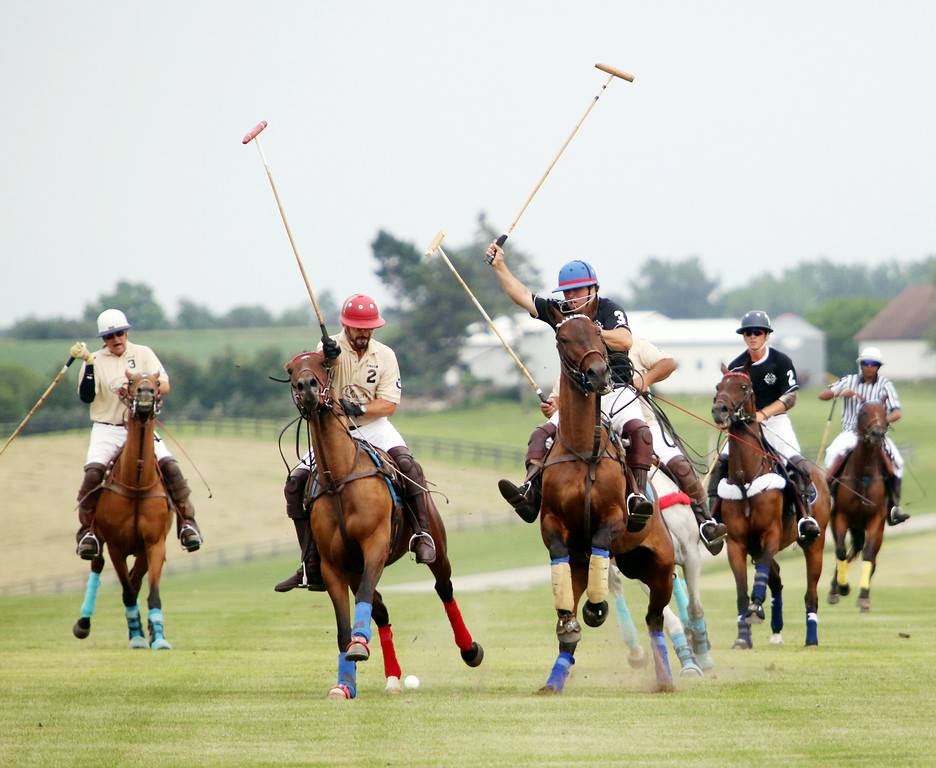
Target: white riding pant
847,440
379,433
779,435
619,405
108,439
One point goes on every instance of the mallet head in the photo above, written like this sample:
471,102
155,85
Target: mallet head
616,72
255,132
435,244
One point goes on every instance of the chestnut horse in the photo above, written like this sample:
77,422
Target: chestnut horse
583,514
359,529
860,503
755,519
133,517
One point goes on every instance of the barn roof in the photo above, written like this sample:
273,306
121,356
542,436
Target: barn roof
908,316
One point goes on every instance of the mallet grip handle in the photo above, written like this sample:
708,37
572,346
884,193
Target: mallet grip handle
616,72
255,132
500,243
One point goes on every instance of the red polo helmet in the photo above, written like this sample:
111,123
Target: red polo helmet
360,311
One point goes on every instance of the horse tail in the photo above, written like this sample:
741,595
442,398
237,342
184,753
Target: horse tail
857,543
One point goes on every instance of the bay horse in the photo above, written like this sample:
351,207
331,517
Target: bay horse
755,519
583,517
860,503
133,517
359,529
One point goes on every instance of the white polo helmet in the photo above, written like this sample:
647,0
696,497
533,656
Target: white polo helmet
111,321
870,353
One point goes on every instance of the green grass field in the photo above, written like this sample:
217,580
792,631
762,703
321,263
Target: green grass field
245,683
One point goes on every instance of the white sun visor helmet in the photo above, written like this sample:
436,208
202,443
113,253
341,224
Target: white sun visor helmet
111,321
870,353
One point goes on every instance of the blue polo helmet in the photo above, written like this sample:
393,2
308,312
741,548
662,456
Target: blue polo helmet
576,274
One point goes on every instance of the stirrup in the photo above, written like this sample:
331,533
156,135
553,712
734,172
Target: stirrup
193,545
638,513
411,546
714,544
88,554
810,535
895,516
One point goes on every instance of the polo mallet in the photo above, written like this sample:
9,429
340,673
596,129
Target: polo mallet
612,73
825,432
42,398
254,136
437,246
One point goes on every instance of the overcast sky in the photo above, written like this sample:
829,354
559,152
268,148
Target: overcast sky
756,135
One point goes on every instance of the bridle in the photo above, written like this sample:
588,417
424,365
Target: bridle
736,411
325,401
573,370
873,434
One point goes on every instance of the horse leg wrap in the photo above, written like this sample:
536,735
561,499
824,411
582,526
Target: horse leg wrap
134,625
776,612
388,651
866,568
155,623
626,623
661,663
560,672
90,596
294,491
681,596
812,628
841,571
362,621
598,565
347,675
681,646
700,641
759,593
562,584
462,635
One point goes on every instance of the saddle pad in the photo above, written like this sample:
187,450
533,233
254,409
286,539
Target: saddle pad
768,482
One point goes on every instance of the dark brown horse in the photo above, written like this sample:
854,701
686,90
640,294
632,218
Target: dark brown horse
583,514
757,525
133,517
860,503
359,529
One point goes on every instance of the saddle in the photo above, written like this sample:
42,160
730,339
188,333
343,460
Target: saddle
156,490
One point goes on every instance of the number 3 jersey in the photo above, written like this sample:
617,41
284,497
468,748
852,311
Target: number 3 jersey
773,376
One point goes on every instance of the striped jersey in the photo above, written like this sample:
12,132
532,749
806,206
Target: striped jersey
878,389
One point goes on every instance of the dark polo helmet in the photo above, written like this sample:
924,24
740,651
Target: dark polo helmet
756,318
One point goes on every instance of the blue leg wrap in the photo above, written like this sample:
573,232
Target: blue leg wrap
759,593
559,560
699,635
776,612
599,552
560,671
681,646
812,629
155,621
90,595
133,621
347,674
681,596
362,620
744,631
660,657
625,622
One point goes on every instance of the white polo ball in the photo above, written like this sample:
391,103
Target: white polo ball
411,682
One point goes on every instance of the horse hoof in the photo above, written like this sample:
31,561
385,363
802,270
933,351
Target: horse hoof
548,690
741,644
473,656
665,686
393,685
161,644
776,639
864,604
338,693
357,652
82,628
638,658
594,614
833,598
138,642
755,614
844,589
691,670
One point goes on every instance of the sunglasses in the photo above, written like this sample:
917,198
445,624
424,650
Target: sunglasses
875,363
754,332
114,335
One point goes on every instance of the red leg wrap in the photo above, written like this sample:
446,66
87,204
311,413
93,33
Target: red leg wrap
462,635
391,666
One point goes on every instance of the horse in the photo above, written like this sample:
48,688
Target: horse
583,512
133,517
756,521
359,528
686,626
860,504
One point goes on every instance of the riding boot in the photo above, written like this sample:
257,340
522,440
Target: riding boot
88,545
418,500
833,471
719,473
309,574
807,527
639,456
894,515
712,534
179,493
525,498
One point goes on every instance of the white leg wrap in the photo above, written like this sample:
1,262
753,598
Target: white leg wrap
597,590
562,586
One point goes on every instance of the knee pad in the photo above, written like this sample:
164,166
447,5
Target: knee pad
641,444
294,491
176,483
410,469
536,445
686,478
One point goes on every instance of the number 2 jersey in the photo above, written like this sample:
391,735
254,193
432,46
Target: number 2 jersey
773,376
